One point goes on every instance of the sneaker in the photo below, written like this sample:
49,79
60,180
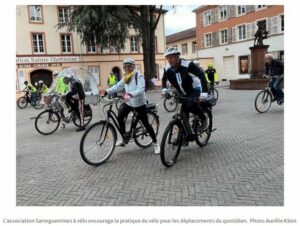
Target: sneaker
80,129
204,124
120,143
280,101
156,148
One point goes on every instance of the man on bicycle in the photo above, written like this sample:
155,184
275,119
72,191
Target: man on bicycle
275,69
135,99
60,86
32,90
75,99
189,81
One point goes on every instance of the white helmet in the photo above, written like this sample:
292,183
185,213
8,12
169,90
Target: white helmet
196,62
129,61
55,73
172,51
41,81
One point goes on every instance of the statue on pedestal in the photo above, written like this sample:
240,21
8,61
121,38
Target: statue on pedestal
260,34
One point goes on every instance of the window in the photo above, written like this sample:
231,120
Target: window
113,49
208,40
223,12
242,32
224,36
63,15
282,22
207,18
38,43
194,47
66,44
241,9
244,64
258,7
92,48
35,13
133,44
95,72
184,47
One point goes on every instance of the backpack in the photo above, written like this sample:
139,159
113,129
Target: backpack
136,77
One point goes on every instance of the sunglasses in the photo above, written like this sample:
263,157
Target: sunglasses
127,66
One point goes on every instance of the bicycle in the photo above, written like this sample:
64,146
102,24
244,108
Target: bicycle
99,141
213,91
265,98
175,134
23,101
48,121
118,103
171,104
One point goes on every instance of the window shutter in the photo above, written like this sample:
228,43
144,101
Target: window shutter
253,29
215,39
202,20
202,41
269,25
251,8
274,22
229,35
233,35
214,15
248,31
232,11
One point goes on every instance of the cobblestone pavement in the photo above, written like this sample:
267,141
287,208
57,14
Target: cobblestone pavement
241,166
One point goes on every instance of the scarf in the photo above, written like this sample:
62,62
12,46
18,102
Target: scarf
128,77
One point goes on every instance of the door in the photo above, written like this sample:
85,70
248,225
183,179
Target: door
44,75
229,71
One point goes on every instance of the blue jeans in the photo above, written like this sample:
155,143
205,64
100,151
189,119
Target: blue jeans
276,82
33,97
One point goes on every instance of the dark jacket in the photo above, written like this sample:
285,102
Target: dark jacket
186,70
275,68
76,88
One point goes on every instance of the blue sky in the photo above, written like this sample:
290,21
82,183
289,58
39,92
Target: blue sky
179,18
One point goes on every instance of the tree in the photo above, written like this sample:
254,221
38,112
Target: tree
109,26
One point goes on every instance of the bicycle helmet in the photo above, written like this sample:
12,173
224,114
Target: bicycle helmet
41,82
55,73
129,61
210,65
172,51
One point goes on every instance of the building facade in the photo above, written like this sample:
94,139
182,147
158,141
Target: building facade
225,33
41,48
185,41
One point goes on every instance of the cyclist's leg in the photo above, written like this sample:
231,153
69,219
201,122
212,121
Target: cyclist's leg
142,112
273,89
277,84
123,111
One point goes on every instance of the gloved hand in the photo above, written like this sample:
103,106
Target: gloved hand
167,95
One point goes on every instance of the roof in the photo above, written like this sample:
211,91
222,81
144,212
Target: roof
189,33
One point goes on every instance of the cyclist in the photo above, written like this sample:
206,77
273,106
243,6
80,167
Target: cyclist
60,86
32,90
189,81
211,74
135,99
42,88
75,98
111,81
275,69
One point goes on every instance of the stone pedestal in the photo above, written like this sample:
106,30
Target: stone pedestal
258,60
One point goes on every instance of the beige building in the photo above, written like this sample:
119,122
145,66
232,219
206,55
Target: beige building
185,41
42,48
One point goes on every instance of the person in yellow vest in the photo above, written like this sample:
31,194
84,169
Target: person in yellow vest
111,81
32,90
60,86
211,74
42,87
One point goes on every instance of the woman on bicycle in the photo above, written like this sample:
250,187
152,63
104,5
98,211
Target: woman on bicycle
135,99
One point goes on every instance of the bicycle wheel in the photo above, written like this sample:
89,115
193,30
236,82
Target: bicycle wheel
171,143
38,104
216,94
119,103
86,120
141,136
98,143
170,104
203,136
47,122
22,102
263,101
